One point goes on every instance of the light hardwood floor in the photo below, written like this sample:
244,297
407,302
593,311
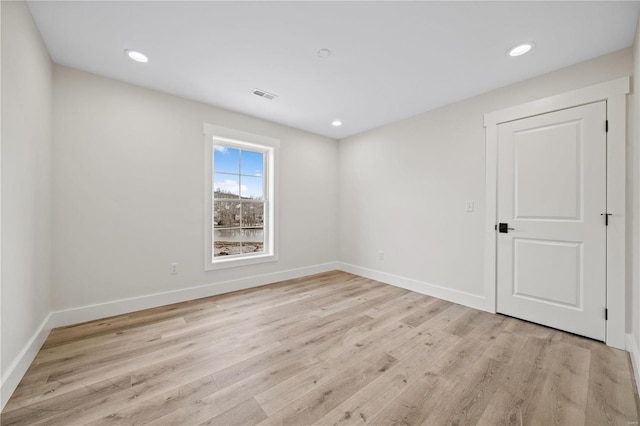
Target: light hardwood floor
328,349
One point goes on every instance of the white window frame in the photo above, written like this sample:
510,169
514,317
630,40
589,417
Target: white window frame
242,140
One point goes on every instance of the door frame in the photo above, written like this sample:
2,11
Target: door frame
614,93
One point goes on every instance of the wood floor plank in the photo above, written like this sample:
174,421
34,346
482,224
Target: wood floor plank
246,413
423,333
280,396
610,397
412,405
404,305
564,394
122,323
415,404
114,341
328,349
515,401
466,323
216,358
358,340
196,407
377,395
506,345
189,340
114,411
313,405
469,398
425,313
371,298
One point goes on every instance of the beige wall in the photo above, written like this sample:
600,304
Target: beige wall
128,192
26,183
633,196
403,187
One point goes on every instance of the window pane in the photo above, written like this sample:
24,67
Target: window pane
226,159
252,163
226,186
251,188
227,242
252,215
226,214
252,240
240,193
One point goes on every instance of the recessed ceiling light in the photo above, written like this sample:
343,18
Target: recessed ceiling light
324,53
136,56
336,123
520,49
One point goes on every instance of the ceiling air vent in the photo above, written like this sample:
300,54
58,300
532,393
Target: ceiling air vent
264,94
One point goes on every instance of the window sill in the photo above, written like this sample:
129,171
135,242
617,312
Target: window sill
239,261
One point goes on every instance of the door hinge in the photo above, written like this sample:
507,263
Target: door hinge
606,314
606,125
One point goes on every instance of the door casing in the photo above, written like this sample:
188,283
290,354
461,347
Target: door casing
614,93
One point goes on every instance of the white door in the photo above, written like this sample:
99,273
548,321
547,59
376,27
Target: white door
552,192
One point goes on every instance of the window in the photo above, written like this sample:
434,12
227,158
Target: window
240,199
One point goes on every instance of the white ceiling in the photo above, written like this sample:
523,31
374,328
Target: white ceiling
390,60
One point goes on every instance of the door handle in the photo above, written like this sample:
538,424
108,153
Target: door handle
504,228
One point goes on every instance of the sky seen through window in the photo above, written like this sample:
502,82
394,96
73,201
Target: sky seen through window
238,172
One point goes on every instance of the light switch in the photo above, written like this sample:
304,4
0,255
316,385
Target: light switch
469,206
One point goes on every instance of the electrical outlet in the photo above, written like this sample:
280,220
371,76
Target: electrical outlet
173,268
380,255
469,206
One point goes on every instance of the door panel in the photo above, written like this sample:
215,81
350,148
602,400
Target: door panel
554,194
552,191
548,271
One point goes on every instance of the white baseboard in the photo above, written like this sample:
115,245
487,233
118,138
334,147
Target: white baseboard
117,307
455,296
21,363
632,348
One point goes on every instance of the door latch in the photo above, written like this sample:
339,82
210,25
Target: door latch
606,218
504,228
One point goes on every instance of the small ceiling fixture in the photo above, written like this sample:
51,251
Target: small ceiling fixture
520,49
136,56
324,53
264,94
336,123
